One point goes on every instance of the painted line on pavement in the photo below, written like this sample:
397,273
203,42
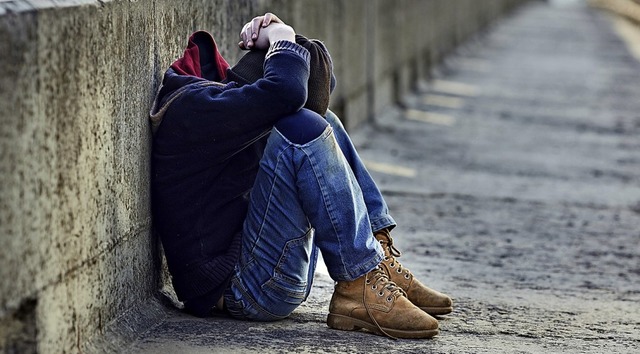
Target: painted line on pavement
390,169
630,33
455,88
430,117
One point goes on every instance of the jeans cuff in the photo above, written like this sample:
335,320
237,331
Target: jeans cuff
382,222
362,269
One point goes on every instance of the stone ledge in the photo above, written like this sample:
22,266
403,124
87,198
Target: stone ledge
16,6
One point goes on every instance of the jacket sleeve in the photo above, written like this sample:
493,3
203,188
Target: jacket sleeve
210,112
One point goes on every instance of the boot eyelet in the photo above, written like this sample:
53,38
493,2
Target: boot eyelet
386,258
406,276
381,293
392,265
374,287
367,282
389,299
398,270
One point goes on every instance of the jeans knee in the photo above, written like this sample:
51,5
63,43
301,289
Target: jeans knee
302,126
333,120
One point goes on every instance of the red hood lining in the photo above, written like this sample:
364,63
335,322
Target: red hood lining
201,50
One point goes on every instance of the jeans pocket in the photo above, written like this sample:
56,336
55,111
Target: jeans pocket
285,289
241,304
290,279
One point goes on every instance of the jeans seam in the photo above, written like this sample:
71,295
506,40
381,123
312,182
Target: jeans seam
323,135
320,177
252,302
277,271
266,209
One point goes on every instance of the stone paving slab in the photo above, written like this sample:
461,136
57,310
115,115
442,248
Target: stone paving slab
515,178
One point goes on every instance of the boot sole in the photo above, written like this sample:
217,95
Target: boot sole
346,323
437,311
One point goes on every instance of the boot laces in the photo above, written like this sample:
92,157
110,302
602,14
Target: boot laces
388,244
393,252
378,281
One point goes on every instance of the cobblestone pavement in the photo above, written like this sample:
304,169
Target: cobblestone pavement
515,178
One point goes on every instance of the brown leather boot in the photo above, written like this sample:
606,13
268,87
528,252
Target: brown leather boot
375,303
431,301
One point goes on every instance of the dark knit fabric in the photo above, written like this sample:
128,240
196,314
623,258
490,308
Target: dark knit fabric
208,140
321,75
249,69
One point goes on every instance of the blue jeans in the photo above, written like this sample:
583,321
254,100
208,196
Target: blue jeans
310,197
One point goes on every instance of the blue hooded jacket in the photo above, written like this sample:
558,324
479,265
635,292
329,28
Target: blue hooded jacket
208,139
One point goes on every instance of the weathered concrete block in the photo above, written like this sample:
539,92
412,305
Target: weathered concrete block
357,105
21,227
352,60
78,167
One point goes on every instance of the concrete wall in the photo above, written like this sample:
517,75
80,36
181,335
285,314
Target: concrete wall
77,78
382,48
